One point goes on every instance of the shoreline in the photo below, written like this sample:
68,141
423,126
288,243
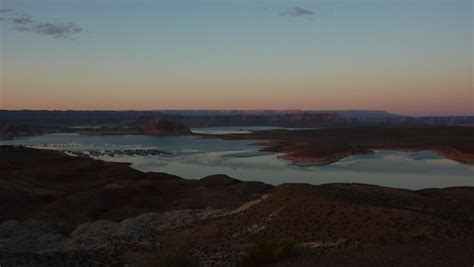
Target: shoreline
295,147
106,212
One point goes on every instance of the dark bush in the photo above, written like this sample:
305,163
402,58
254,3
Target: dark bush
172,258
264,253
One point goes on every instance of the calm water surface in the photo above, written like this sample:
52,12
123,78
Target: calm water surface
191,157
237,129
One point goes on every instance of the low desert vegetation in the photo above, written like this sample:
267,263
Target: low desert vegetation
394,236
268,252
419,234
172,258
390,236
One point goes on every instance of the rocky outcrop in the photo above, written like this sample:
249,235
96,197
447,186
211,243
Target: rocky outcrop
10,130
279,120
40,239
160,126
29,236
156,126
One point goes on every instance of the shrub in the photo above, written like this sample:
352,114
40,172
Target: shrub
172,258
389,236
419,234
267,252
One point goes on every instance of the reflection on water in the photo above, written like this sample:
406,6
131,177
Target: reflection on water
237,129
194,158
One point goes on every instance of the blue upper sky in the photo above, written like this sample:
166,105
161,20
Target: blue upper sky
410,56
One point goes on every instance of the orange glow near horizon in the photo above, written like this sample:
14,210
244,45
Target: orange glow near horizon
406,58
400,95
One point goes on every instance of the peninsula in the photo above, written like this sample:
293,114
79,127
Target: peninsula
325,146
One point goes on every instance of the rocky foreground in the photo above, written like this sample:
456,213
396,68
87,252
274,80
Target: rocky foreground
58,210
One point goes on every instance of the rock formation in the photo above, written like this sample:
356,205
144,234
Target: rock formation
156,126
160,126
9,130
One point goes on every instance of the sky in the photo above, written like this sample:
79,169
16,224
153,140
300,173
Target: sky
410,57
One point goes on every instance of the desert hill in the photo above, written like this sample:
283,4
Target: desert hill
58,209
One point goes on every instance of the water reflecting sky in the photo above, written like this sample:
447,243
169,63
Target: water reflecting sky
195,158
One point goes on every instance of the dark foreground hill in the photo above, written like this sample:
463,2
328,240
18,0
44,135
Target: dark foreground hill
59,210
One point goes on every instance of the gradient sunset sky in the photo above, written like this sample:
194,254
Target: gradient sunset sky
405,56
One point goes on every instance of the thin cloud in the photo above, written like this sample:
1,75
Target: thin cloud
296,12
3,11
21,20
56,30
26,23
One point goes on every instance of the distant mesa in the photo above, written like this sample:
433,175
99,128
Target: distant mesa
9,130
212,118
160,126
274,120
156,126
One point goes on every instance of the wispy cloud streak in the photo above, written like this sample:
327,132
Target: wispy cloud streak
296,12
26,23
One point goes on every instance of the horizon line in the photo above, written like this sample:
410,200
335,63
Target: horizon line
280,110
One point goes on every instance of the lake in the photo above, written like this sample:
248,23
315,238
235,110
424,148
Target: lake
193,158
